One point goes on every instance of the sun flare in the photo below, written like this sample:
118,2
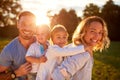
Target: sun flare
41,18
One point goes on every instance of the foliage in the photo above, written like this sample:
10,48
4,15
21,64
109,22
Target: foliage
68,19
111,14
8,12
91,10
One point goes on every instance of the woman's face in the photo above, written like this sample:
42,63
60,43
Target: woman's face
93,34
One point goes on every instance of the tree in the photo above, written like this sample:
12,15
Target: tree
111,14
68,19
8,12
91,10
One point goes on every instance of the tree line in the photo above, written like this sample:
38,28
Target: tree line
110,12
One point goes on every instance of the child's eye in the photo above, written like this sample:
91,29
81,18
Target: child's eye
100,33
92,31
65,37
58,37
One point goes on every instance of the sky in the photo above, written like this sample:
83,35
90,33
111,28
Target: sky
40,7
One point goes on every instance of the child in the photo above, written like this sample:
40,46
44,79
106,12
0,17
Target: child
59,36
35,53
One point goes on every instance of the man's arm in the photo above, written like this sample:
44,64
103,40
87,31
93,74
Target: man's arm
3,68
23,69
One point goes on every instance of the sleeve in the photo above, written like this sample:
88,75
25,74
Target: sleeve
74,63
5,58
69,51
31,51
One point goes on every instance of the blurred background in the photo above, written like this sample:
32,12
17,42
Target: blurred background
69,13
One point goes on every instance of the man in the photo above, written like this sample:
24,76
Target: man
13,55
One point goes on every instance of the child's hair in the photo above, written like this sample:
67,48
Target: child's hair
81,30
44,27
58,28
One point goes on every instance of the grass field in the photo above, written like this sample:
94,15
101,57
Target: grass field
106,64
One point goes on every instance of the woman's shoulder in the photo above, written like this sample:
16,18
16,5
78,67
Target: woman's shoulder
73,45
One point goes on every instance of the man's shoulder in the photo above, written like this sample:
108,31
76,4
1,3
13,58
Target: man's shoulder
12,44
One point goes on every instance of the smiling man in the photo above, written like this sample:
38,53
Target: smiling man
13,55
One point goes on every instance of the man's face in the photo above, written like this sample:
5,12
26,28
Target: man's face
26,26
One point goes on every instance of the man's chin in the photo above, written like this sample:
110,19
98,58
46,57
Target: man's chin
27,37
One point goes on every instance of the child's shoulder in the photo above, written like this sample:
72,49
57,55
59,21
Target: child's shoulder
53,46
34,44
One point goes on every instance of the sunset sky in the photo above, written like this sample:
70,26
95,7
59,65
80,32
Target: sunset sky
40,7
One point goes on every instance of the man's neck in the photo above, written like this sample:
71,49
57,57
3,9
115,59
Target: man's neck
26,43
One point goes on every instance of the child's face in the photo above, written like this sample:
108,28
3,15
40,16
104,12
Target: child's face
42,36
60,38
93,34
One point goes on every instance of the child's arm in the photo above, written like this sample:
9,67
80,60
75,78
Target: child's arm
71,65
40,59
58,51
30,56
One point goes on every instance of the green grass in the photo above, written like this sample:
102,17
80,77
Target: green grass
3,42
106,64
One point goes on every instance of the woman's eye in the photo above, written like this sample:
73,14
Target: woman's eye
92,31
100,33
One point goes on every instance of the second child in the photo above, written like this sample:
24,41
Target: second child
36,51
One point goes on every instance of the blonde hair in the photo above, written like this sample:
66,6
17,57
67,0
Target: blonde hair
58,28
80,32
45,28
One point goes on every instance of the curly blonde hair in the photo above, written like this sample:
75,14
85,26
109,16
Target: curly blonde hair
80,33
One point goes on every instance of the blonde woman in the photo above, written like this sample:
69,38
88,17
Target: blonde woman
92,32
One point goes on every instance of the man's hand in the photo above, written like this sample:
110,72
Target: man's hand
23,69
43,59
3,68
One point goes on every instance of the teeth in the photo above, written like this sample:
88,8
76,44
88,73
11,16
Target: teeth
25,32
94,40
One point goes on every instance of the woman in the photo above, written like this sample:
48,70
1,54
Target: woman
91,32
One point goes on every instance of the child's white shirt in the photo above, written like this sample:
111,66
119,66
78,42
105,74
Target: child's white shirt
34,50
53,54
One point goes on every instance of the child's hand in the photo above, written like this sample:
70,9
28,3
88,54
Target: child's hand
43,59
87,48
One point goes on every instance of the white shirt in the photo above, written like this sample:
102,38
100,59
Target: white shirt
53,54
34,50
78,66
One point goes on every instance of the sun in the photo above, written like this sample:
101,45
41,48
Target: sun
41,18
